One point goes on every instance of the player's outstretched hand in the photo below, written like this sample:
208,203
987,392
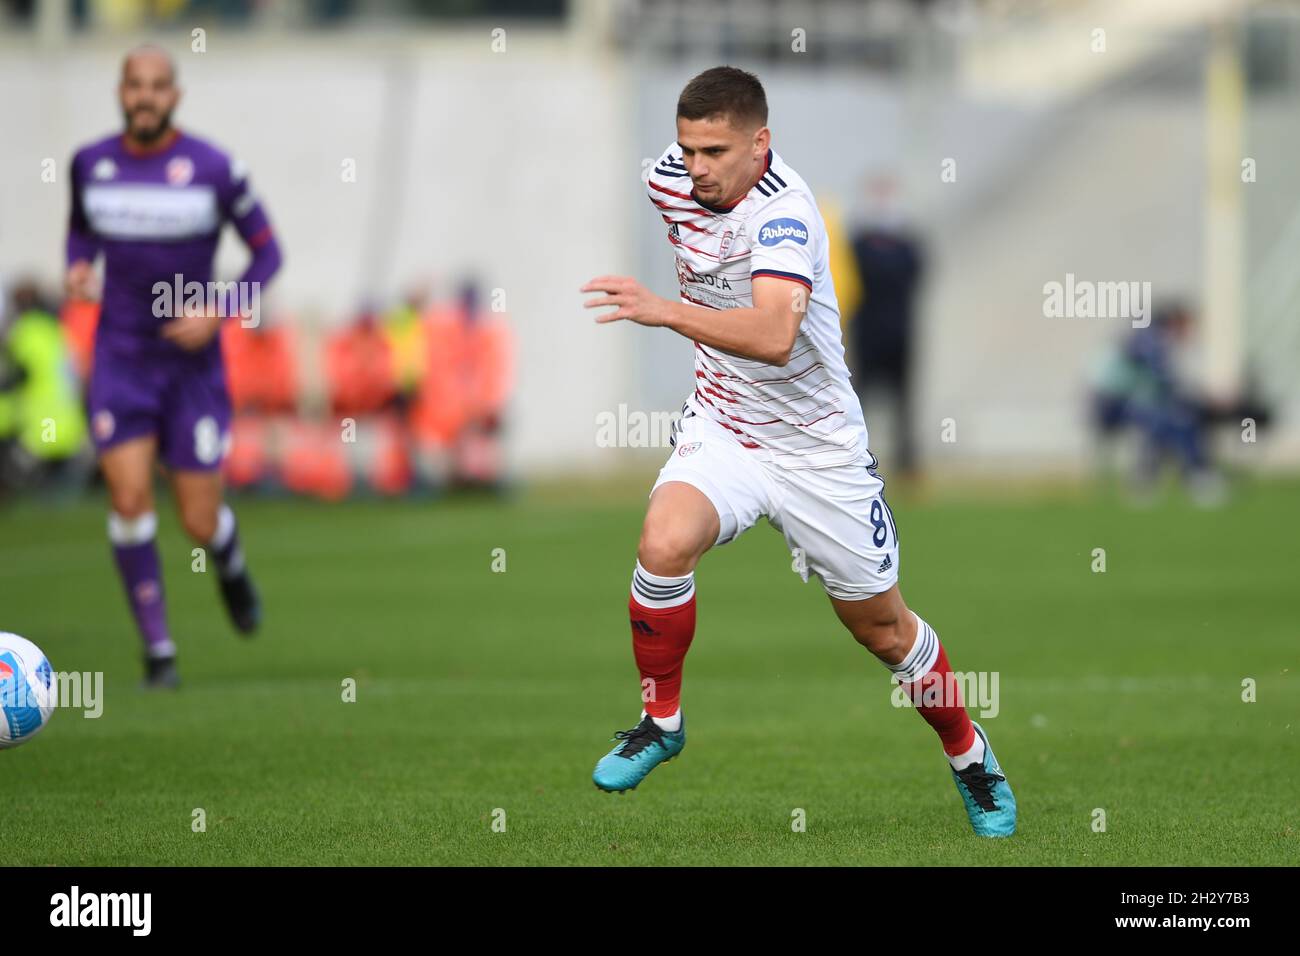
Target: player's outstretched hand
633,300
192,332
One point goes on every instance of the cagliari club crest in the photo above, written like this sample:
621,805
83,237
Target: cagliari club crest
726,244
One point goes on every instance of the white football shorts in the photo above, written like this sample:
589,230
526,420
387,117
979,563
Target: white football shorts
835,520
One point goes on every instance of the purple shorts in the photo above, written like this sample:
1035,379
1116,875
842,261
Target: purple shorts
177,397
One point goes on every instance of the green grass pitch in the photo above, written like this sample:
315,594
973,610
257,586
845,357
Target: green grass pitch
485,696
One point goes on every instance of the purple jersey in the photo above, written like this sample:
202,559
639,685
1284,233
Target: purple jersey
154,216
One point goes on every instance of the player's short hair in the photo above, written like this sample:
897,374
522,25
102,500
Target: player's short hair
724,91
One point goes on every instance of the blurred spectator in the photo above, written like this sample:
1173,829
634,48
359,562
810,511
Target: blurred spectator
362,374
457,413
413,397
42,422
80,318
889,262
260,368
402,327
262,374
1137,386
359,369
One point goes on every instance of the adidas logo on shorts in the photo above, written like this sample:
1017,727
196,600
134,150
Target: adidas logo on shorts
885,565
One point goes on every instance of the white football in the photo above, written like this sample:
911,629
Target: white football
27,690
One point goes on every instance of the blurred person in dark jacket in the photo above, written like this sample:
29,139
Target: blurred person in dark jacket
1138,385
890,261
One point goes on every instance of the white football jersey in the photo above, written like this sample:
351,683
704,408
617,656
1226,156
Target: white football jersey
800,415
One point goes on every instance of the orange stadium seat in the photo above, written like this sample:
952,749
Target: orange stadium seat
390,468
248,461
314,462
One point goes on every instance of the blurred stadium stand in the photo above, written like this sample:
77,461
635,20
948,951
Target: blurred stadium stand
1067,160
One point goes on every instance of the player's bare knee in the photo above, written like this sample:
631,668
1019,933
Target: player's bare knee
200,523
669,549
130,503
884,637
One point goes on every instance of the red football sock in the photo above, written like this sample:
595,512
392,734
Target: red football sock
936,695
661,636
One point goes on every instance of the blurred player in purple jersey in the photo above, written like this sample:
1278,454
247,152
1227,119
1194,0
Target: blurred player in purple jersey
152,201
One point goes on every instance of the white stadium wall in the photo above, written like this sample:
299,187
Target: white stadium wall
524,169
506,166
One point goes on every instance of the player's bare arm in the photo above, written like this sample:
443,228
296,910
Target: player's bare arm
764,333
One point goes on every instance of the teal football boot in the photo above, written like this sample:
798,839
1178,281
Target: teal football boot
639,751
984,789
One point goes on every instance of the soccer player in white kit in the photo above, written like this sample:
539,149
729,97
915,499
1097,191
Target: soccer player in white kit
772,429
